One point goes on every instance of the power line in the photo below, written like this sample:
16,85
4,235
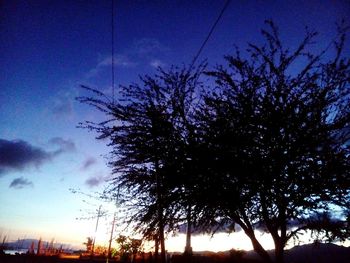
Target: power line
112,44
209,34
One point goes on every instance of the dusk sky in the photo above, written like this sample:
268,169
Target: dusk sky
49,48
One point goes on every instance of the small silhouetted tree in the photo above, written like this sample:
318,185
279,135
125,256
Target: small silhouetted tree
275,154
128,247
88,244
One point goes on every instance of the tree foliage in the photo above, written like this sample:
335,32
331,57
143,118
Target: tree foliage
267,148
88,244
128,248
278,140
149,130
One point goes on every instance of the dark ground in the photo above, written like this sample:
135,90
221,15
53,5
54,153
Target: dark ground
175,259
311,253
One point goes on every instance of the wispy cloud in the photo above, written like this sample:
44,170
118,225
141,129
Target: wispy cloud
18,155
148,46
141,52
64,145
218,228
62,106
156,63
95,181
20,182
90,161
120,60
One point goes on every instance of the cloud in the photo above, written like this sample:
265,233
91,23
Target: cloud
64,145
147,46
119,60
156,63
140,52
20,182
2,172
62,106
88,163
17,155
219,228
94,181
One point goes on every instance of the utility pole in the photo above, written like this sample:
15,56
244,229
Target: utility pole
110,239
98,217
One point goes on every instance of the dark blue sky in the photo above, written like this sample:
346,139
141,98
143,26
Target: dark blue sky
48,48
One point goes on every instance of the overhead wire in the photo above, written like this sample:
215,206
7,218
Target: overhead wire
194,59
112,44
209,34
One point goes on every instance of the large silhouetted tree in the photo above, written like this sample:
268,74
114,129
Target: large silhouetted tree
150,131
267,149
276,135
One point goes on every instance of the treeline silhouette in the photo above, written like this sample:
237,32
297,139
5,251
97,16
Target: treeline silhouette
262,142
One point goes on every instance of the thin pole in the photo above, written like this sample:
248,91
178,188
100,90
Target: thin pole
98,217
110,239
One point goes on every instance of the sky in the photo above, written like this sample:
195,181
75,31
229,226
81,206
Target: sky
49,48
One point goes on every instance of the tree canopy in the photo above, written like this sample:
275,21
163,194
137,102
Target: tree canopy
150,132
278,137
267,148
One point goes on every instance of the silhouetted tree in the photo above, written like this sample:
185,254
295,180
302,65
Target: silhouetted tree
128,247
149,130
88,245
267,149
275,151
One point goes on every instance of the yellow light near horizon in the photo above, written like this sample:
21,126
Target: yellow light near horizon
224,242
219,242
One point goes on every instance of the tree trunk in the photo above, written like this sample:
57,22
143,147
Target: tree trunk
279,251
160,214
258,247
162,244
279,246
156,248
261,251
188,247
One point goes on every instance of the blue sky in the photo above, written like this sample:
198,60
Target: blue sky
49,48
